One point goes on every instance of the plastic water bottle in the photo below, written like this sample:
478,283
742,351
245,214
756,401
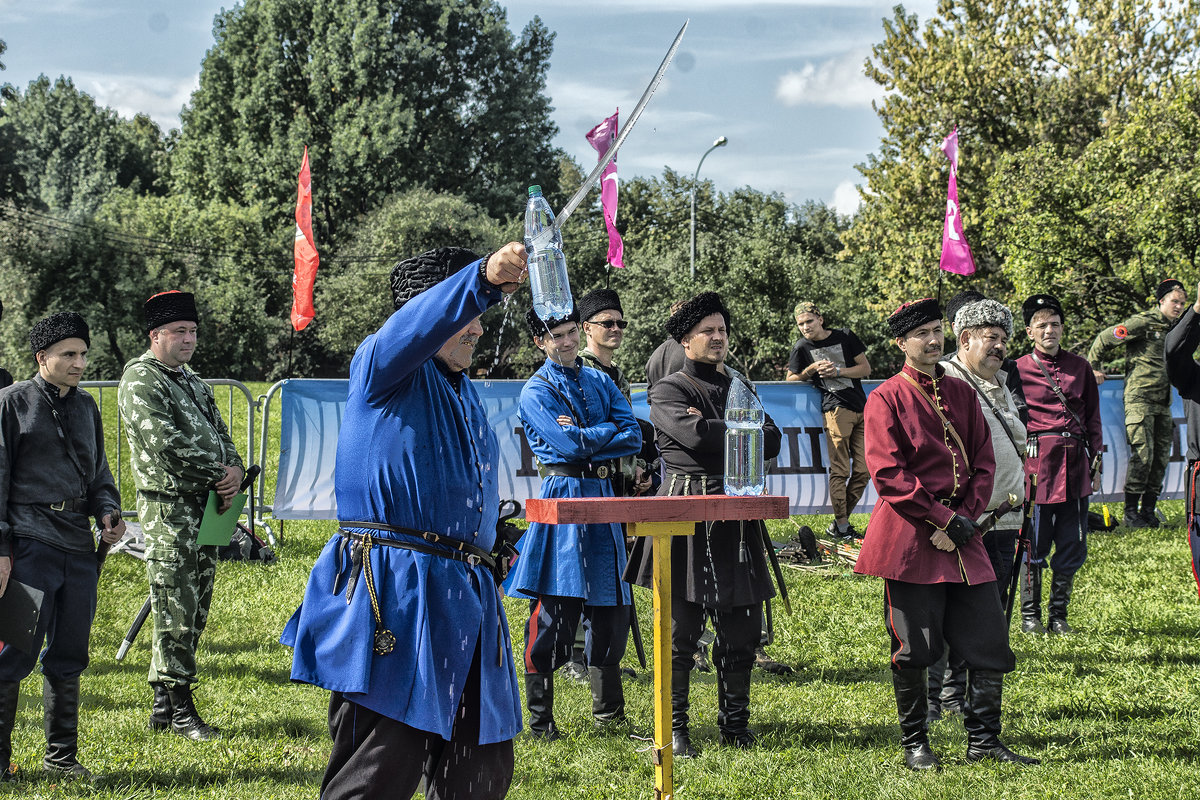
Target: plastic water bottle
745,472
547,265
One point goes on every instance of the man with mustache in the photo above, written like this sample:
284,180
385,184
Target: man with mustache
1149,427
929,450
578,425
180,449
401,618
1065,444
54,479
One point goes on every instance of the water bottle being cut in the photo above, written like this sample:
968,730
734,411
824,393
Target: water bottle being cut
547,264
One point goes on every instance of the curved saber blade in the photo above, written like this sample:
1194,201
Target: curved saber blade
582,191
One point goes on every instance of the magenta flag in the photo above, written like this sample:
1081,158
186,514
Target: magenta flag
600,137
956,253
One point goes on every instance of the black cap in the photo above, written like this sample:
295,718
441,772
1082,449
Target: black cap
1041,302
1168,286
55,328
173,306
912,315
599,300
958,301
540,327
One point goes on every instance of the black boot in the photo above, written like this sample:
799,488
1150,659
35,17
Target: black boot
912,703
937,674
60,700
539,699
185,719
1149,503
681,740
1031,599
733,709
1060,597
608,699
160,710
954,686
10,692
982,719
1133,517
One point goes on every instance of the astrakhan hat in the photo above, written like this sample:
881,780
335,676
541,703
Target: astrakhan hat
599,300
55,328
172,306
693,311
912,315
414,275
958,301
1040,302
983,314
540,327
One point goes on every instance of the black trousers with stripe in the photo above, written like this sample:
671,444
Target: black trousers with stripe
550,633
923,618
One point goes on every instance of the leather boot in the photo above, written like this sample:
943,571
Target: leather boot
733,709
60,701
912,703
1031,599
608,698
1149,503
1060,597
1133,517
185,719
954,686
10,692
539,699
982,719
681,740
937,674
160,710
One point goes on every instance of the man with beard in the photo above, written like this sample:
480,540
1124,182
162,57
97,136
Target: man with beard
1149,427
402,619
720,572
929,450
578,425
1063,458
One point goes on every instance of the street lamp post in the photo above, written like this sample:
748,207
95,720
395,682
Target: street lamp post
721,141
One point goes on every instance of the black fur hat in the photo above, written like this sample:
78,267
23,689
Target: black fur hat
172,306
599,300
1038,302
693,311
540,327
912,315
414,275
55,328
1168,286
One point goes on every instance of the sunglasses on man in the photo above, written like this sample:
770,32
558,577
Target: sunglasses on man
609,323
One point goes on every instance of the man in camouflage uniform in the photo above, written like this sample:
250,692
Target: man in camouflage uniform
179,449
1148,425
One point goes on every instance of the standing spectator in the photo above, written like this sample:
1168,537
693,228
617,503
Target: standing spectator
1149,428
578,424
402,619
1063,458
929,450
179,449
835,362
667,358
1184,373
721,571
53,477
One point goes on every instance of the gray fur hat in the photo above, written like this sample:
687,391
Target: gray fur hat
983,314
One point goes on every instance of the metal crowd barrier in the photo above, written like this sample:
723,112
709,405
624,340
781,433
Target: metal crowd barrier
253,510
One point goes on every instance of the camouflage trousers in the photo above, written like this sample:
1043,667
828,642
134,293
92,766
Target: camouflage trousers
181,574
1151,435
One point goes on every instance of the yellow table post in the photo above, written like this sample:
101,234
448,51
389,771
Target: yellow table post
661,533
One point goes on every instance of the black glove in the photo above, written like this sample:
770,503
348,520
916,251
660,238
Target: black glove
960,530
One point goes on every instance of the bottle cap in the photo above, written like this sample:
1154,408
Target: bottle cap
534,191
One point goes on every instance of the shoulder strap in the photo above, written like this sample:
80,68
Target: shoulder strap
966,373
945,422
579,420
1063,400
60,426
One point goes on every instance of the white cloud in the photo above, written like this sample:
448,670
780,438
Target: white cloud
159,98
846,199
836,81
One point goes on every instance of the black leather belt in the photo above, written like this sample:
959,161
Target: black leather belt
77,505
463,552
1063,434
602,470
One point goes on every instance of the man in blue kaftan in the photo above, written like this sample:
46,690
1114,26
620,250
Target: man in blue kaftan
401,619
578,424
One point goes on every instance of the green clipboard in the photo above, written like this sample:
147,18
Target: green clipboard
218,528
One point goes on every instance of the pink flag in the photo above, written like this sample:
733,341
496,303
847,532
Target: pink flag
305,251
956,253
600,137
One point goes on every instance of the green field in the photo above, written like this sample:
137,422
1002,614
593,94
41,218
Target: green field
1113,711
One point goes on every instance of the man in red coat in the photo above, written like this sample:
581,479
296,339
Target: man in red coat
1064,443
929,452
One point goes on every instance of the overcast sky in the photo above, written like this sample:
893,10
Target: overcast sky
781,79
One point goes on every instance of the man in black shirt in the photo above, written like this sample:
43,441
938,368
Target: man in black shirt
54,476
835,362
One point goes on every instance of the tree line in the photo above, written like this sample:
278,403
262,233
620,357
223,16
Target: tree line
426,119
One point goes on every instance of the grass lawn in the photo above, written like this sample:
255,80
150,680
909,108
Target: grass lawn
1113,711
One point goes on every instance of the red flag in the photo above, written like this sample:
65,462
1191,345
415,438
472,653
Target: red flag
306,252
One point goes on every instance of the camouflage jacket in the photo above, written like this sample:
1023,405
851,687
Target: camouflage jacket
177,439
1144,336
